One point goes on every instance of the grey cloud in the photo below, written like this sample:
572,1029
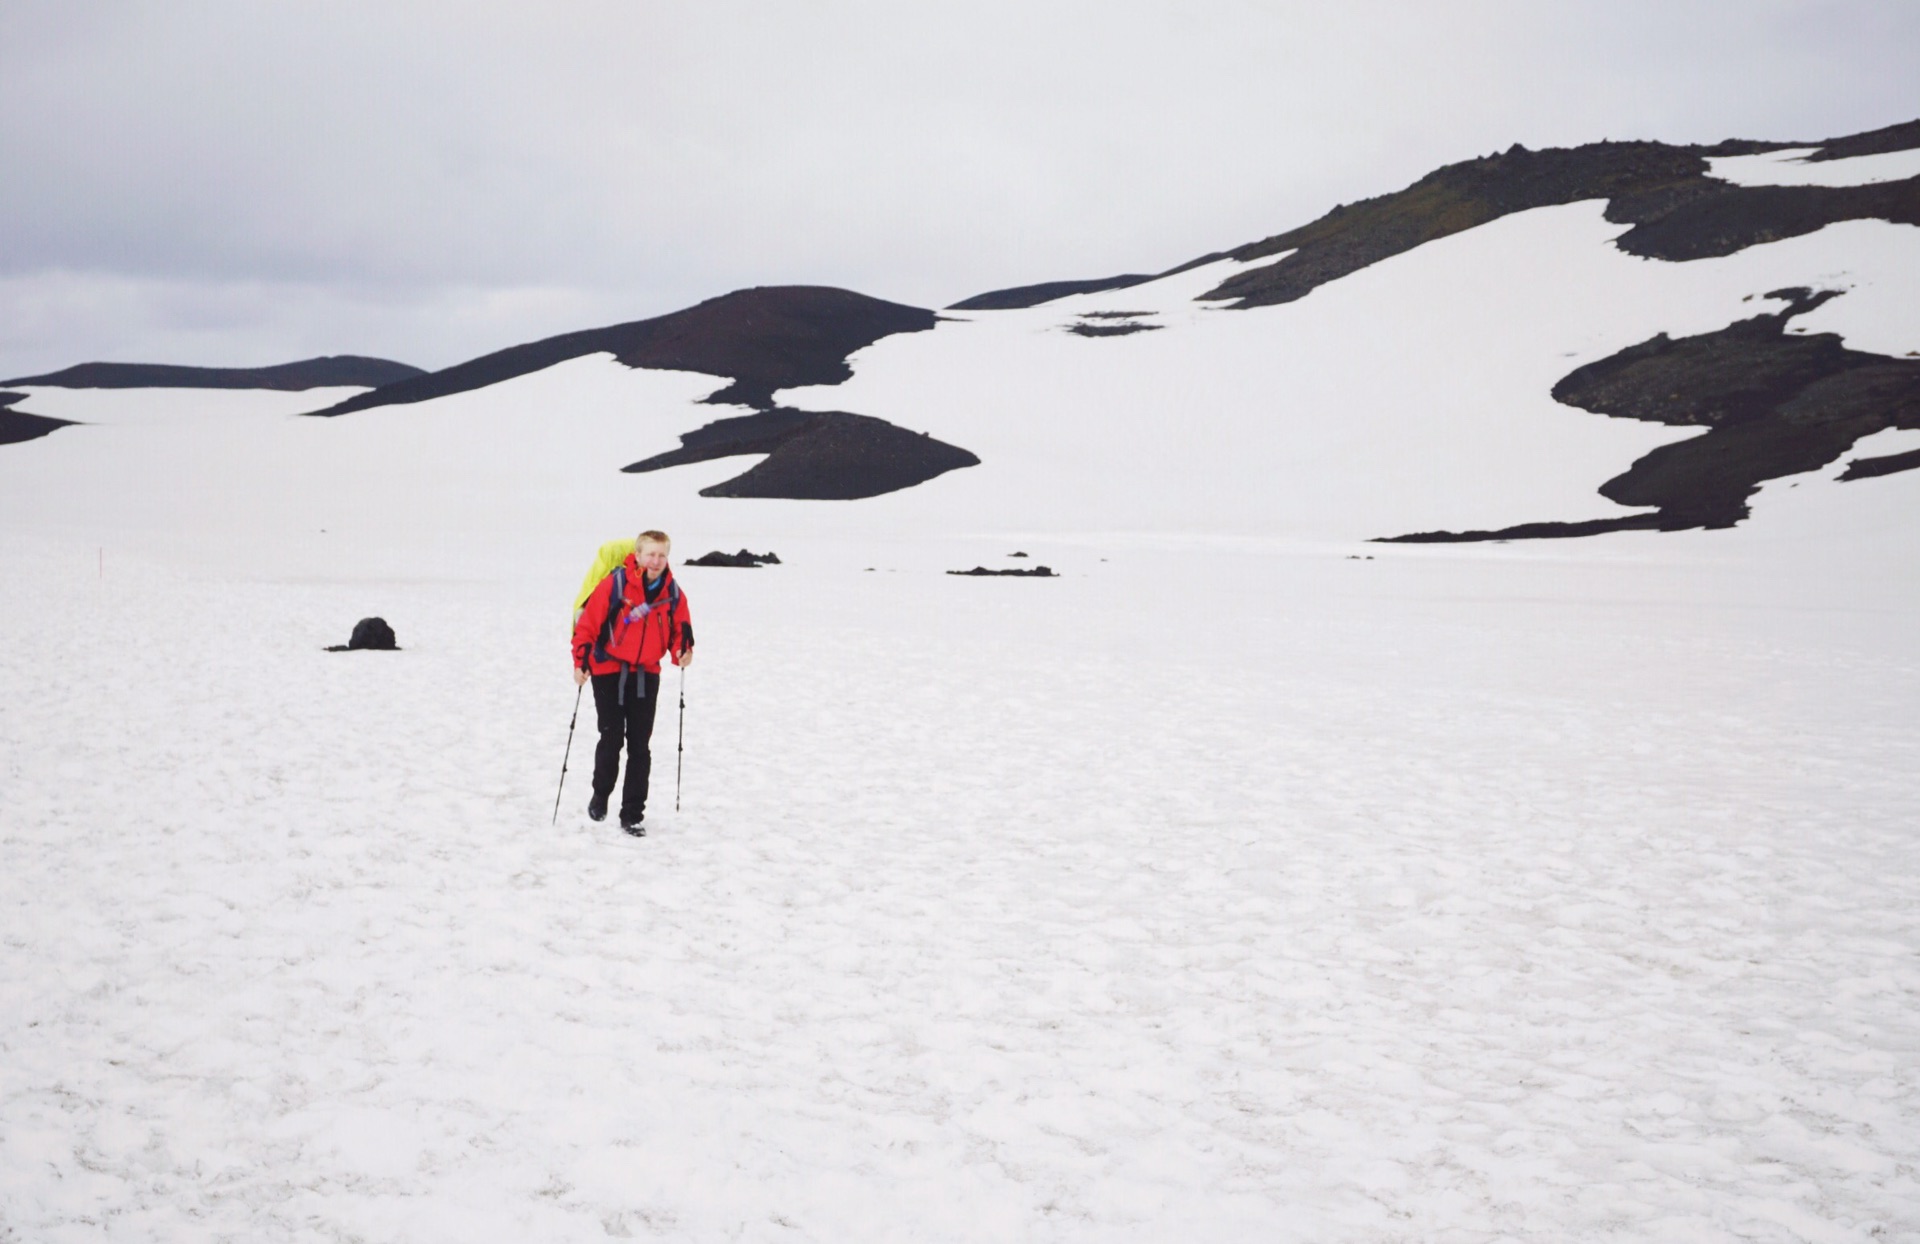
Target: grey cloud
395,160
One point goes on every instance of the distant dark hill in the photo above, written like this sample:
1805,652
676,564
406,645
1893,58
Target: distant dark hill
330,371
1663,191
763,339
828,455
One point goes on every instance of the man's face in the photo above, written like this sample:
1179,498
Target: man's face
652,558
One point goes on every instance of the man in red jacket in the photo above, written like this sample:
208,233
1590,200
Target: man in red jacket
635,616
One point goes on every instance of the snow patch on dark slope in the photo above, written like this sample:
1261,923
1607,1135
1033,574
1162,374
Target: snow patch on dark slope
828,455
1773,405
329,371
1677,209
762,339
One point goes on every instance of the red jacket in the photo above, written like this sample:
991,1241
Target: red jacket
631,633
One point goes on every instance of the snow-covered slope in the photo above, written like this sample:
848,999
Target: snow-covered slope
1249,881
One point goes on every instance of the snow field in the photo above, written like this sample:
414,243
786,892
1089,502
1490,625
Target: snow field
1790,168
1443,897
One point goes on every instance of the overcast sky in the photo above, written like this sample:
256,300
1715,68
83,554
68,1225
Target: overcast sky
244,183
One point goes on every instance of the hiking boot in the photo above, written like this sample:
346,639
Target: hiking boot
597,808
632,824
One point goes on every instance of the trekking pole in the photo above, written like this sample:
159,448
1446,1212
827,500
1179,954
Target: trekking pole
680,757
568,755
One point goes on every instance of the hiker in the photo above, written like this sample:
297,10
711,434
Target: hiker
632,617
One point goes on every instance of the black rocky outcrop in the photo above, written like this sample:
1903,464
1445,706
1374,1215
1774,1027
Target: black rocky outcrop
745,559
369,635
814,455
1046,291
331,371
981,572
18,425
1773,403
762,339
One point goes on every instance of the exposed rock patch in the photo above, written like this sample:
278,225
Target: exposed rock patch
814,455
1889,464
1902,137
1109,328
744,559
17,425
1038,572
762,339
1772,403
1046,291
334,370
369,635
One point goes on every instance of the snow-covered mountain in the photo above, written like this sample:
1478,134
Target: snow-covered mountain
1260,877
1421,365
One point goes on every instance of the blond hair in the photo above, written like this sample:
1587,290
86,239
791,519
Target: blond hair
653,537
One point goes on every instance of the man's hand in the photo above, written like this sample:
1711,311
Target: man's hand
579,677
685,658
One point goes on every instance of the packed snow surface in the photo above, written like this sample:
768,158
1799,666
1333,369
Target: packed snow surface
1246,882
1791,168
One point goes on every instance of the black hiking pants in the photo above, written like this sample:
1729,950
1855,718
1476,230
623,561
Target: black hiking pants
624,704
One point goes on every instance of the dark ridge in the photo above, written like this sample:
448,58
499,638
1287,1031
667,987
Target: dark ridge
1867,468
1902,137
1718,222
1773,404
814,455
1644,183
1038,572
334,370
1677,210
8,399
743,560
1111,330
1532,531
17,425
1033,295
762,339
1114,315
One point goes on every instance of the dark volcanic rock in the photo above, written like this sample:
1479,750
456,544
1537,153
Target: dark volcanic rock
1110,328
8,399
814,455
763,339
1718,222
1867,468
1046,291
369,634
315,373
1678,212
743,560
1773,404
1902,137
1038,572
18,425
1663,191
